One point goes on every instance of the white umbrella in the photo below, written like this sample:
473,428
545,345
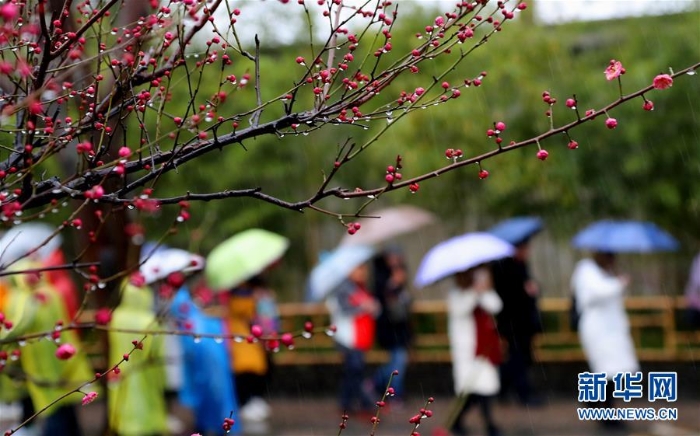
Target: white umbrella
23,239
166,261
459,254
392,222
332,270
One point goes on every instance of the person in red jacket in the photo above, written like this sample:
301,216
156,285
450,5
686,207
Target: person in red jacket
353,311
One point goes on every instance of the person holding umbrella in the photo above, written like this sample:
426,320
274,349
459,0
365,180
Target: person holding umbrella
342,279
236,267
603,324
472,304
519,321
474,342
251,361
391,286
167,271
599,291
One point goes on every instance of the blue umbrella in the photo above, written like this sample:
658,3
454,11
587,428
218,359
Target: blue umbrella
334,268
517,230
624,237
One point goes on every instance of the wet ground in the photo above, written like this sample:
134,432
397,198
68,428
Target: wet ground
556,417
319,416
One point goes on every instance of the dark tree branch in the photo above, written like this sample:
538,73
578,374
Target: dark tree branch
74,265
46,191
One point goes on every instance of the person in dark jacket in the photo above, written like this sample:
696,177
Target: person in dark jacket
393,324
518,322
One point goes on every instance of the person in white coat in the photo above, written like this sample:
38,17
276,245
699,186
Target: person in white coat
474,343
603,327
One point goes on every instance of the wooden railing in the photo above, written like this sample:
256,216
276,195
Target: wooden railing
657,326
656,323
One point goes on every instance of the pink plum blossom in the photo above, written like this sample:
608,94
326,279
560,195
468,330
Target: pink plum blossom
89,398
663,81
65,351
614,70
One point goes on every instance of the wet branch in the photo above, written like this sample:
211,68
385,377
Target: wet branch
67,266
190,152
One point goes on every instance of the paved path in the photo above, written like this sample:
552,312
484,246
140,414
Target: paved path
316,416
320,417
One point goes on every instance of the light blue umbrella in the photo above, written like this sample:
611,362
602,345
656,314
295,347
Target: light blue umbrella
624,237
335,267
460,254
518,229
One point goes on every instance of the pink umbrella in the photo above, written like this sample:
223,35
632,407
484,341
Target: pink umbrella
392,222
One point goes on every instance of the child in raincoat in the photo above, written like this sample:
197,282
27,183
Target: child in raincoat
249,361
11,390
205,367
34,305
136,393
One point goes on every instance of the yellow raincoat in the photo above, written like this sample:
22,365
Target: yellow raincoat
245,357
34,305
11,307
136,395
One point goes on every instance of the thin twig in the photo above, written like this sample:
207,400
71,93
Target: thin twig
255,119
49,268
84,28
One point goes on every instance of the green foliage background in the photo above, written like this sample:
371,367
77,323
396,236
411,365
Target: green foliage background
647,168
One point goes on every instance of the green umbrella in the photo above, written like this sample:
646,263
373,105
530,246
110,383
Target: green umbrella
243,256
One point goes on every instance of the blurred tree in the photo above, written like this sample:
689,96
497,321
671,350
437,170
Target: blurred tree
599,179
124,120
